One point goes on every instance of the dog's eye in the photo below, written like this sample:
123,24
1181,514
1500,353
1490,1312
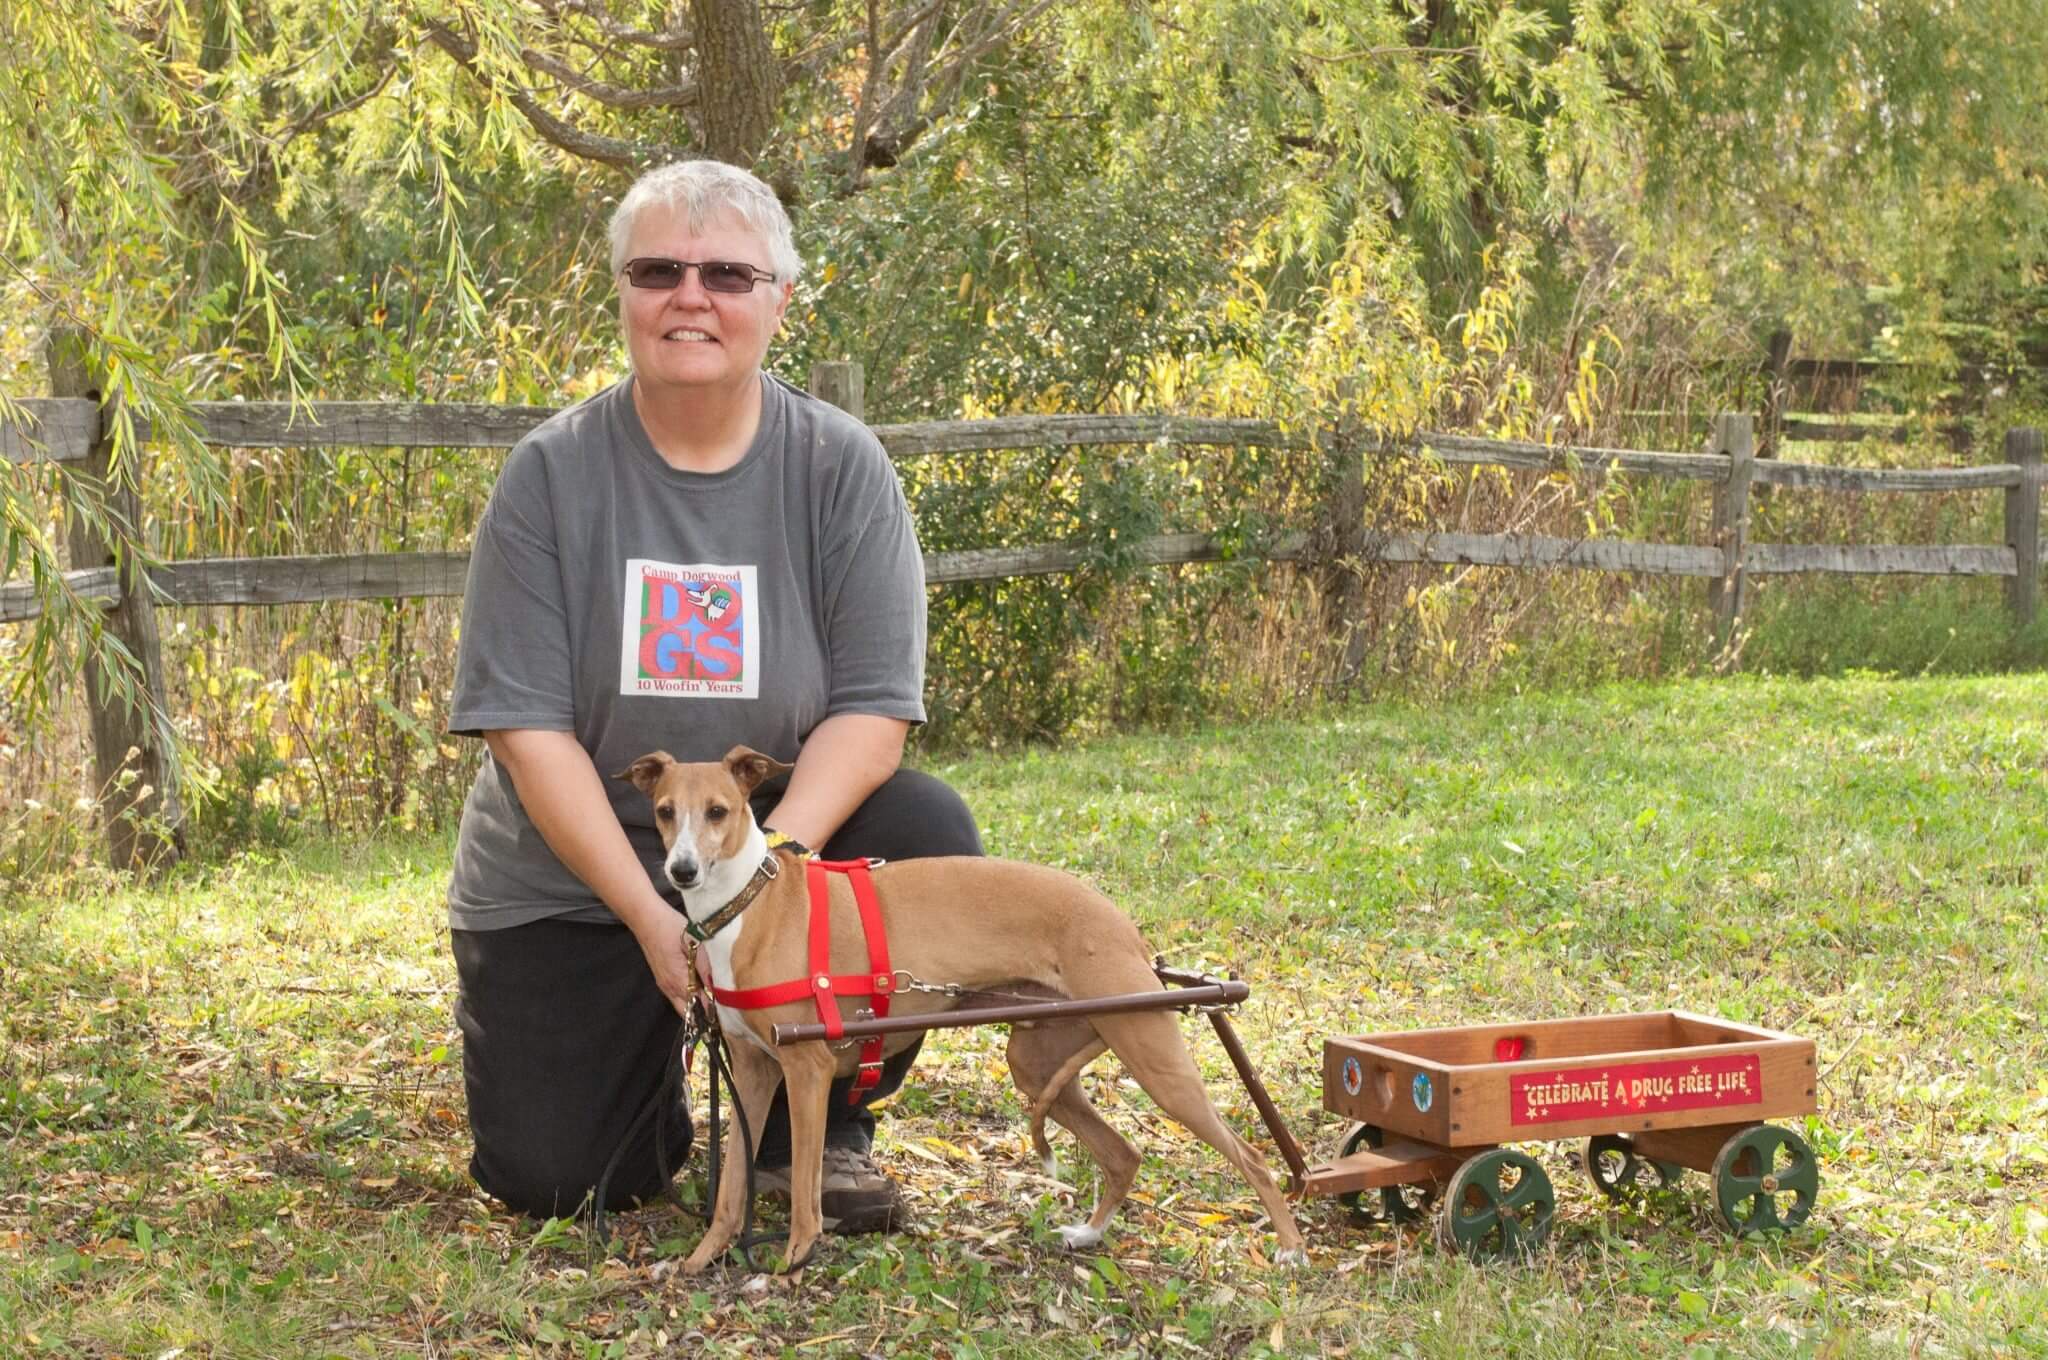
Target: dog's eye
664,813
714,813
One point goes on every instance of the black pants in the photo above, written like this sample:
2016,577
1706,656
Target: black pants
565,1037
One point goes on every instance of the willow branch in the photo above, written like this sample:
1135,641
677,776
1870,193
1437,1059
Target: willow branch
891,138
1397,50
675,39
570,138
954,65
604,91
306,122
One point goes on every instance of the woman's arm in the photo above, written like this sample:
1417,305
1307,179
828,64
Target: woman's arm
563,793
847,757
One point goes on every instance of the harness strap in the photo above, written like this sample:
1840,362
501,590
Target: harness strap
820,984
869,1073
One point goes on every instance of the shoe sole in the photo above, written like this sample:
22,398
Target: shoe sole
864,1219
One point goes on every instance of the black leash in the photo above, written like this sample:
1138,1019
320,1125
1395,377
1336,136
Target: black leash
701,1024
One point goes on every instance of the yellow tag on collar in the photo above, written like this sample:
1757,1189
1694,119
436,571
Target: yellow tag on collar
777,840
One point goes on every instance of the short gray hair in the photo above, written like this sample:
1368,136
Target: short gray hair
702,192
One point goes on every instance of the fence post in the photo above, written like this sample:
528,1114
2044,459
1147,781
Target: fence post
1735,436
2023,525
1341,547
137,835
842,383
1775,393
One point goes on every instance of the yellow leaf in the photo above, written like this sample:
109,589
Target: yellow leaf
822,1340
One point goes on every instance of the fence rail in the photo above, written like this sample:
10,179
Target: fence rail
68,426
297,580
73,429
428,575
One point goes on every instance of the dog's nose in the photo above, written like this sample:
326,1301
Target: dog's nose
685,873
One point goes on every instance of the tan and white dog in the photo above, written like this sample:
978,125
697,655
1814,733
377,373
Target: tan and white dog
983,923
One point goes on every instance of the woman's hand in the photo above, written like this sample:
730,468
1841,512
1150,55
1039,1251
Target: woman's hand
669,960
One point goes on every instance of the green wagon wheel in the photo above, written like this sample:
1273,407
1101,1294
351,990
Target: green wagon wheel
1395,1204
1765,1177
1498,1204
1612,1164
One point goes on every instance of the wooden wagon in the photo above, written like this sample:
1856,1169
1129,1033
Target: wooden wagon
1651,1093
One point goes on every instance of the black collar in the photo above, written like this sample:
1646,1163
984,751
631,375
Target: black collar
744,898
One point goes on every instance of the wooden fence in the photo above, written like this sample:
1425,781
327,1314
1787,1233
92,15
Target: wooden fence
72,427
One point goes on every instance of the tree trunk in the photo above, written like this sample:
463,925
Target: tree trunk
739,77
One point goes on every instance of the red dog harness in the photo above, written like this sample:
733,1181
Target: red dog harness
820,985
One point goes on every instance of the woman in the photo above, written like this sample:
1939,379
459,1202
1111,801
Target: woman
697,557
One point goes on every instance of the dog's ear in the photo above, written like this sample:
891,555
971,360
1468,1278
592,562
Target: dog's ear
647,771
752,769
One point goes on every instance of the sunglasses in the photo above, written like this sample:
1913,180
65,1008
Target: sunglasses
717,276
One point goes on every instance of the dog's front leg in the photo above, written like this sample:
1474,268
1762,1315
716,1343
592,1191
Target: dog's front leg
807,1071
755,1077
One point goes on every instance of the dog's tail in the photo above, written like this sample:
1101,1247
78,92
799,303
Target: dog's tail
1069,1070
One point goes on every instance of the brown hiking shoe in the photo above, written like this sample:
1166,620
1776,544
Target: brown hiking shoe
857,1198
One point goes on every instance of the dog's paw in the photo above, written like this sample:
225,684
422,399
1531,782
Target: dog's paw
1291,1256
697,1261
1080,1237
795,1257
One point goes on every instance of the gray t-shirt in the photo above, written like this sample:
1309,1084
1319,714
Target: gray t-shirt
643,609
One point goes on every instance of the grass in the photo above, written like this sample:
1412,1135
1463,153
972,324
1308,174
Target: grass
1833,626
232,1106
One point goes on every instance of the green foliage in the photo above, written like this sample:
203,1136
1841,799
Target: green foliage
1050,283
1034,657
246,811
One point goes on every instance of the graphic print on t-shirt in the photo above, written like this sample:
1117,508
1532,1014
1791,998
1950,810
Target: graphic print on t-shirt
690,630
